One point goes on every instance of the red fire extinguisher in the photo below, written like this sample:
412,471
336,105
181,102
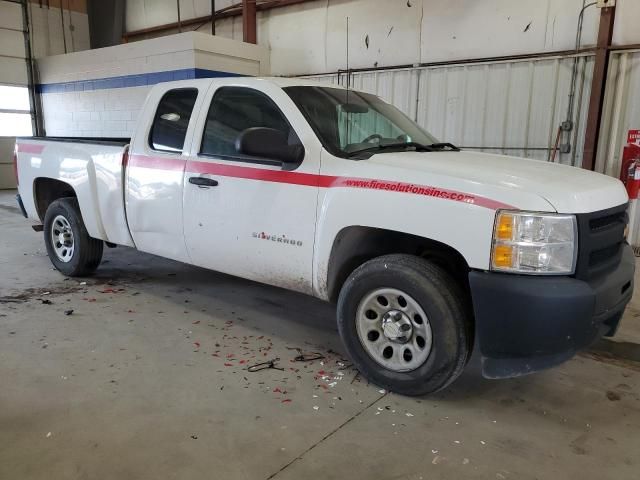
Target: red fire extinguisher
630,171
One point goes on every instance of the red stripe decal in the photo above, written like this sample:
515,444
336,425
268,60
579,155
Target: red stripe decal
157,163
278,176
30,148
313,180
424,190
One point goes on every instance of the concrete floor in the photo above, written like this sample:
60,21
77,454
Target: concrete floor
147,379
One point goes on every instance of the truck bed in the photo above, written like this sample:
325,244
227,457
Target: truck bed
89,167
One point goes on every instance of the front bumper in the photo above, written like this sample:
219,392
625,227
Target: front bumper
528,323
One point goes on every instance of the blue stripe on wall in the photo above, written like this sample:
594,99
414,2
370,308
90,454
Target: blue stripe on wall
125,81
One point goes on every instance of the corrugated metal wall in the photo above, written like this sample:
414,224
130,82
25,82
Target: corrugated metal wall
621,113
621,109
509,107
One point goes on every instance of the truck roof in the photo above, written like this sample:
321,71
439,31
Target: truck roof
299,82
248,81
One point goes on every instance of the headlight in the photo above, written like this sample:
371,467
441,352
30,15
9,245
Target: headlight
534,243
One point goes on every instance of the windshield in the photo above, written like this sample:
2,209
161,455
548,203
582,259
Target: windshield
349,123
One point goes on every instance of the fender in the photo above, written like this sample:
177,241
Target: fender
455,214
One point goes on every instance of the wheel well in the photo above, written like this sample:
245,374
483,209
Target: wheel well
356,245
47,190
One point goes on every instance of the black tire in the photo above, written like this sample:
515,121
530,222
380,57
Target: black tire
87,251
441,299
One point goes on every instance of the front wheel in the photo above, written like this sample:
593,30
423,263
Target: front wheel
71,250
404,323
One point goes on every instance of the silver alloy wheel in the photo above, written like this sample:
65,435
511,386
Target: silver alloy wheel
394,330
62,239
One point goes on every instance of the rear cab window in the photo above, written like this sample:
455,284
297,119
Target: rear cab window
171,121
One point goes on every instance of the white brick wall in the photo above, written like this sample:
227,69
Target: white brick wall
99,113
113,112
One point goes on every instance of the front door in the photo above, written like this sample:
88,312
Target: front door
249,216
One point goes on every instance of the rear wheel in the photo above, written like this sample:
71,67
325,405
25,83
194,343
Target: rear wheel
70,248
404,322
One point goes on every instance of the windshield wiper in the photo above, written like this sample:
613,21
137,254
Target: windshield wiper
384,146
442,146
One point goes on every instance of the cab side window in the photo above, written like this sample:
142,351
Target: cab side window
171,121
234,110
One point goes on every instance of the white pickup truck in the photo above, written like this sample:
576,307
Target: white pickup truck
428,251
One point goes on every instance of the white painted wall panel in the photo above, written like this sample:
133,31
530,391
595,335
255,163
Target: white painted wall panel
145,13
10,15
293,36
11,43
47,32
13,68
311,38
392,30
627,31
13,71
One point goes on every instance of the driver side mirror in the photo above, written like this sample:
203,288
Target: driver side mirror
269,143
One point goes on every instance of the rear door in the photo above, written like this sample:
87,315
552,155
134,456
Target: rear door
155,172
252,217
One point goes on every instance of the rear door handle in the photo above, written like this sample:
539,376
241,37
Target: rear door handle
203,181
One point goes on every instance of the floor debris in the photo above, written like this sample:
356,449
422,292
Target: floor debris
306,357
271,364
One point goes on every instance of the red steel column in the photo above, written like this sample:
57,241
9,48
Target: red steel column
249,28
600,70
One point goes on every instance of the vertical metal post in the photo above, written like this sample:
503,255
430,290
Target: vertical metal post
598,85
71,27
64,37
213,17
179,19
249,23
36,124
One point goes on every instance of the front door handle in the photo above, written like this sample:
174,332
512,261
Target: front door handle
203,181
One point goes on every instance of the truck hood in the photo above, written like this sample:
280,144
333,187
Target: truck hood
506,179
